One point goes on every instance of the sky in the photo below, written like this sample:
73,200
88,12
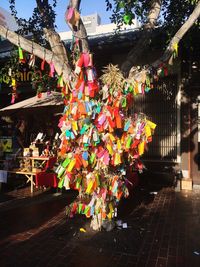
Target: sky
88,7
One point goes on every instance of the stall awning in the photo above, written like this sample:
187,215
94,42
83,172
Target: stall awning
54,99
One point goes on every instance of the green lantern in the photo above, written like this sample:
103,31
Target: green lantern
127,18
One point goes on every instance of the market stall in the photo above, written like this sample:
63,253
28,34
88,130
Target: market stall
40,138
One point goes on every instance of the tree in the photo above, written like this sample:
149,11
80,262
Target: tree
173,17
147,11
100,138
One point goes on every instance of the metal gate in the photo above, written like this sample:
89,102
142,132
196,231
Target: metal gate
160,106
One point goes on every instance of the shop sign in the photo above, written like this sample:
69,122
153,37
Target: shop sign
5,144
21,76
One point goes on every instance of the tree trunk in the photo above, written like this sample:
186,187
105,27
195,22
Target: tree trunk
136,52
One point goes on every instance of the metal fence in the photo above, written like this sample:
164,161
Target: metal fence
160,106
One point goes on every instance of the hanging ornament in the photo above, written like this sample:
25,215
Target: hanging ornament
72,16
175,50
52,70
39,91
165,71
21,55
60,83
39,94
13,98
113,77
13,82
127,18
42,64
31,62
48,92
10,72
14,94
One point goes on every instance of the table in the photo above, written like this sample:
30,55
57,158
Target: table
30,174
33,159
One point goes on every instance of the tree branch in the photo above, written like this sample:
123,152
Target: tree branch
175,40
51,35
136,52
56,44
39,5
153,14
179,35
80,32
61,66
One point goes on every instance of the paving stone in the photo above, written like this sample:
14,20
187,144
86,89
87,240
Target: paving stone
163,231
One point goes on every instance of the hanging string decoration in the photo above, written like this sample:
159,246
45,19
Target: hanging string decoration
72,16
99,141
21,55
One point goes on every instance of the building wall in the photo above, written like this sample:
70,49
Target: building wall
7,19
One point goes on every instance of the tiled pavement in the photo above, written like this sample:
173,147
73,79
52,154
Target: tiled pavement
163,230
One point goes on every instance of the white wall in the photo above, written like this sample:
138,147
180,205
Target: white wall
9,20
101,29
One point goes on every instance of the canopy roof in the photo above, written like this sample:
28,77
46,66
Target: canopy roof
53,99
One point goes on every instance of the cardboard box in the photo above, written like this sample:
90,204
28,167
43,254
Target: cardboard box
186,184
35,152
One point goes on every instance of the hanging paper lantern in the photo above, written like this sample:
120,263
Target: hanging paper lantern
21,55
127,18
